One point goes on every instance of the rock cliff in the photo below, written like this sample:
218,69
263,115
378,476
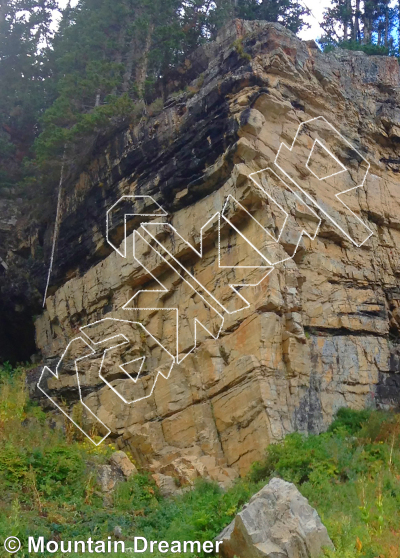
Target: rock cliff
321,327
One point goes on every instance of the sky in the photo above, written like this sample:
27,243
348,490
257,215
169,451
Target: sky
63,3
317,8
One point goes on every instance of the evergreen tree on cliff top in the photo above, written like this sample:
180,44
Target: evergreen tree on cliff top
289,13
367,25
24,94
99,68
107,55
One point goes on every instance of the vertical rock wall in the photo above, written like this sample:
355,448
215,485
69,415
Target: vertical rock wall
319,332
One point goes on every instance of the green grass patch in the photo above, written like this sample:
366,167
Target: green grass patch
350,474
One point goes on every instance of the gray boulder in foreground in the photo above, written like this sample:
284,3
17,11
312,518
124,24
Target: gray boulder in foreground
278,522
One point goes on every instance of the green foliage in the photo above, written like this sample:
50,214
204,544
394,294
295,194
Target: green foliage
370,26
7,371
286,12
349,421
370,48
62,91
48,482
53,140
197,515
139,493
238,45
298,459
24,28
351,476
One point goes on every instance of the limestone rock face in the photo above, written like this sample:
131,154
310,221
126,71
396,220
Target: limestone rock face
185,470
278,522
318,331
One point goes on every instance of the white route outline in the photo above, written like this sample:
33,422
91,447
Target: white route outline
145,230
162,214
277,240
56,375
95,344
310,198
131,362
93,352
269,268
196,321
329,153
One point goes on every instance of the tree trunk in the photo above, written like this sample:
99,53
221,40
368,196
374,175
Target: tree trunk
356,29
347,21
3,11
130,59
138,57
350,12
142,63
398,26
118,58
386,24
367,21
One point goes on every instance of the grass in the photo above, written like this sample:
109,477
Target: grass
351,475
238,46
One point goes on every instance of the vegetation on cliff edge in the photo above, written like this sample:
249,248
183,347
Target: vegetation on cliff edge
64,87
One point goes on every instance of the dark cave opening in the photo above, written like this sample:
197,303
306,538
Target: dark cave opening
17,336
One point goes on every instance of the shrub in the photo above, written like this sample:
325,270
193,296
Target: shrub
351,475
349,421
370,48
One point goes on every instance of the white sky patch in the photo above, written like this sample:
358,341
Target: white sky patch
317,8
57,15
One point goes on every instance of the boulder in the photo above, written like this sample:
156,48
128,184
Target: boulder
121,461
166,485
278,522
108,477
119,469
183,472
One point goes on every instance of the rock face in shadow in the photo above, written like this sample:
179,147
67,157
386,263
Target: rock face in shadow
320,331
278,522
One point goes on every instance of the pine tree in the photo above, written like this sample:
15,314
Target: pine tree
102,64
397,9
289,13
365,25
24,31
338,22
383,22
368,20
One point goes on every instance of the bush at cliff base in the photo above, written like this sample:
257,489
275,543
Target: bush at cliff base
350,474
